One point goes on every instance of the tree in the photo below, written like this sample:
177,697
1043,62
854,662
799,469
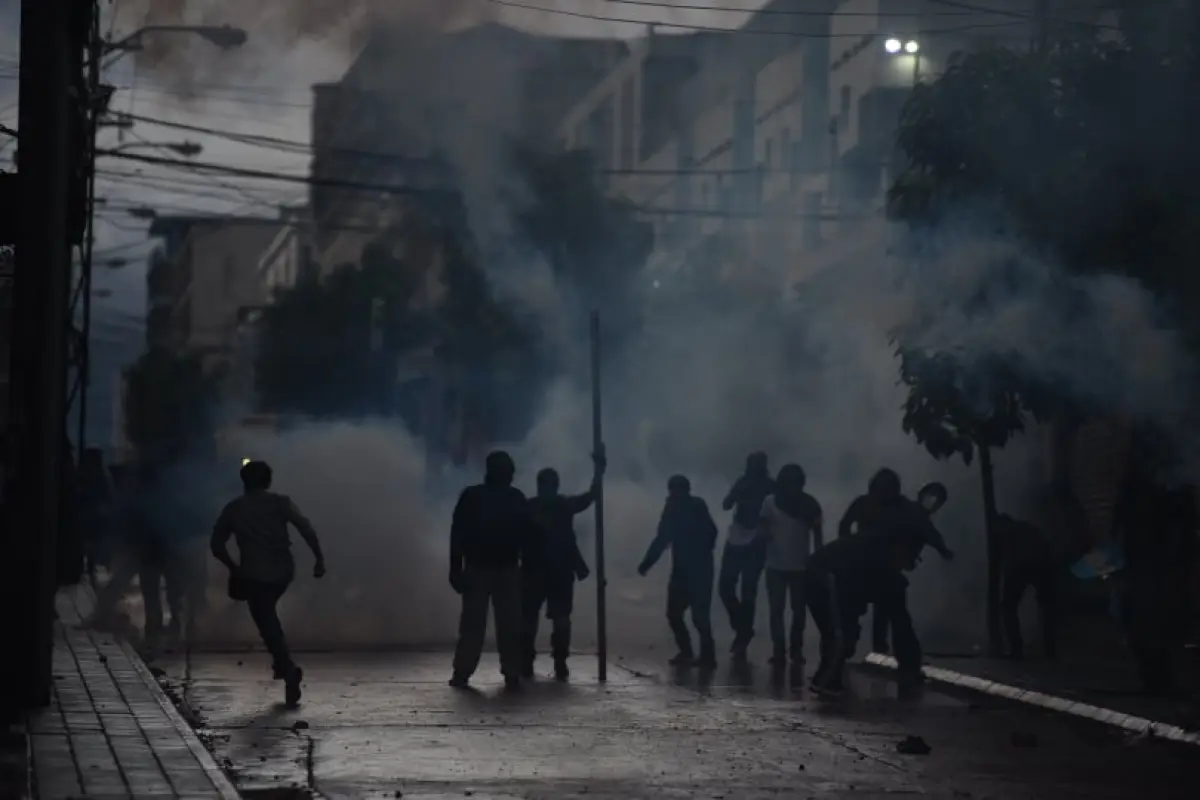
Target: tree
1083,150
329,348
169,404
594,242
957,408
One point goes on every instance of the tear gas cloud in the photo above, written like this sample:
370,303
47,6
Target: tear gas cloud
813,381
695,396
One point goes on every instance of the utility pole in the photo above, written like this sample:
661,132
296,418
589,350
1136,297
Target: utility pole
39,331
1041,26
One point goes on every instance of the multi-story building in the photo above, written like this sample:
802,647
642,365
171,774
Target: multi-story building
420,127
201,278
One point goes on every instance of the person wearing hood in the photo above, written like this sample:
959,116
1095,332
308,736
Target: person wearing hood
868,568
551,566
687,529
792,527
745,551
491,531
874,511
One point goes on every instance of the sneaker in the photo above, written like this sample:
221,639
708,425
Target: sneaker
291,692
459,682
682,659
561,672
828,689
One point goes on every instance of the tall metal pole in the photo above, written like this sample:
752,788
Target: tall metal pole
95,52
598,451
39,338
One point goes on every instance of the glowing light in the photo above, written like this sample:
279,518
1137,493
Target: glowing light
893,45
911,47
245,461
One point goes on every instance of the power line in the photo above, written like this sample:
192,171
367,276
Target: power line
738,31
1024,15
777,12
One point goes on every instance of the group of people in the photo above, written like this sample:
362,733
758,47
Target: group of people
516,555
778,528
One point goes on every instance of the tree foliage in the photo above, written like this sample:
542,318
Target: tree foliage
327,348
954,408
1084,150
169,403
593,241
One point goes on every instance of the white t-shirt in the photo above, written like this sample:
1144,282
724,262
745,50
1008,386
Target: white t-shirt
737,536
789,540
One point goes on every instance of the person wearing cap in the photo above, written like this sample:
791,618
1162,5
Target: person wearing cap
491,531
258,521
687,529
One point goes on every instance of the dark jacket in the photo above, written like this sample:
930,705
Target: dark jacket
746,499
687,528
492,527
899,517
555,549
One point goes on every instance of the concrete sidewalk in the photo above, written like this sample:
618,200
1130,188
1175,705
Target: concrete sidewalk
110,731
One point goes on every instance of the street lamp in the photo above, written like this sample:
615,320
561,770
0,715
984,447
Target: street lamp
896,46
225,37
185,149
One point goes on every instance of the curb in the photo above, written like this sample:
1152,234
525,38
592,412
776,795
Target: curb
1105,716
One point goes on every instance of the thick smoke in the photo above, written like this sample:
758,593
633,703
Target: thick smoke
694,395
811,380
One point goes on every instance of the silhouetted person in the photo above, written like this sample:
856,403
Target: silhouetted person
550,567
1028,561
687,529
491,530
745,551
868,568
258,521
866,513
792,528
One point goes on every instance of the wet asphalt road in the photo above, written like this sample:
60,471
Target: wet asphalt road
375,725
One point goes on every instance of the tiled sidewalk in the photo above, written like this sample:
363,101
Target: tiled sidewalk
110,731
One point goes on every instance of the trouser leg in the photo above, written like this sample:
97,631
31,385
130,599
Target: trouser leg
880,625
908,646
677,604
818,596
506,605
795,591
560,602
776,602
263,602
472,622
753,565
727,585
532,598
701,590
1013,585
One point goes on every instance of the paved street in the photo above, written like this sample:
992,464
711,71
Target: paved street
383,724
